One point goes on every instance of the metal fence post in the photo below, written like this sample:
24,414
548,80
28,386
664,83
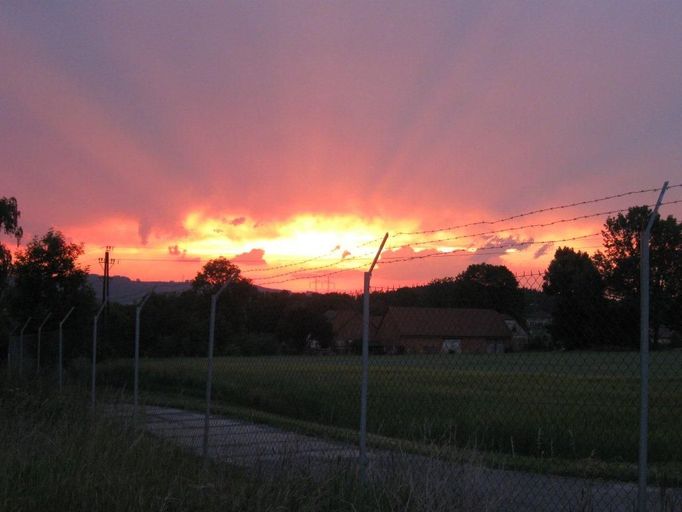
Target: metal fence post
136,370
94,354
365,377
644,276
21,347
363,458
61,350
209,377
40,329
10,343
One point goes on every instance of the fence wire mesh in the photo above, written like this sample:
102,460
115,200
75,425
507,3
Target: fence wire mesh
509,391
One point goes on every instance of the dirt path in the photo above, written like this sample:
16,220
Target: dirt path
257,446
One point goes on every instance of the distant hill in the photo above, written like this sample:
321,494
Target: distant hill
124,290
128,291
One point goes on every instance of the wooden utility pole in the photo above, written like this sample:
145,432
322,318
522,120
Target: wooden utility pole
106,262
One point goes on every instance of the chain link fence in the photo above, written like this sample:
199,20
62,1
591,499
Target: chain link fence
522,397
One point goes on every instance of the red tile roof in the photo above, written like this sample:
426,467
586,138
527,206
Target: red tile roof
443,322
347,324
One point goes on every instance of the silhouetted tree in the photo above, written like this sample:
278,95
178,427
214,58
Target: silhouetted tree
480,286
214,274
9,224
574,281
619,265
299,324
48,277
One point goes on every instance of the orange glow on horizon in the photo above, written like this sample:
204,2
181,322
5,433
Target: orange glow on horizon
314,245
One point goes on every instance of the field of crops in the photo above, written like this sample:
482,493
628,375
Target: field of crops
546,405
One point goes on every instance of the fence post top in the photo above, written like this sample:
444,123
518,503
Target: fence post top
49,314
99,311
26,324
221,290
67,316
652,217
144,300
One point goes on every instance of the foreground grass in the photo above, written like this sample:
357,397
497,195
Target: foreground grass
547,406
56,455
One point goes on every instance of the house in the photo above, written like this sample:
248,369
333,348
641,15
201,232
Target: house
431,330
667,336
539,326
519,335
347,329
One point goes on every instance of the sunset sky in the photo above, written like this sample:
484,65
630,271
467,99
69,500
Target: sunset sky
278,132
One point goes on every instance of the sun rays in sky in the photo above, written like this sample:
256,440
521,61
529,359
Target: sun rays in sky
283,136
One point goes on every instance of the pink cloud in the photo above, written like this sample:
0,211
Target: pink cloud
253,258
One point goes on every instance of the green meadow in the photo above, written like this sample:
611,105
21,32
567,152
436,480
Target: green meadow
570,406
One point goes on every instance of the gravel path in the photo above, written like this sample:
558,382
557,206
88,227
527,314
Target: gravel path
262,447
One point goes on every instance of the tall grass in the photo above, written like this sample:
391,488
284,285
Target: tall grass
56,455
572,405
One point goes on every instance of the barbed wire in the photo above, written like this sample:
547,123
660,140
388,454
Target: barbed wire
298,263
533,212
536,225
459,252
459,237
510,245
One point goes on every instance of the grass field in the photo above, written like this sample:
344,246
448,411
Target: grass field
56,455
571,406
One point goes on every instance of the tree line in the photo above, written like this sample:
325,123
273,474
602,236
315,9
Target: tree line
593,300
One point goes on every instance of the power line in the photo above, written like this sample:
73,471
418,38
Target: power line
329,265
272,268
329,253
163,260
301,262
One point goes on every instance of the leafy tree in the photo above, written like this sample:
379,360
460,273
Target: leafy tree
299,324
232,316
48,277
175,324
574,281
9,223
214,274
619,264
480,286
5,269
9,217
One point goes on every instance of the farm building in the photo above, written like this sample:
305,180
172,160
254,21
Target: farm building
519,335
347,328
430,330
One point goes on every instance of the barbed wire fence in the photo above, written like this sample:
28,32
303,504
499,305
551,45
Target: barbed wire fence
542,394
